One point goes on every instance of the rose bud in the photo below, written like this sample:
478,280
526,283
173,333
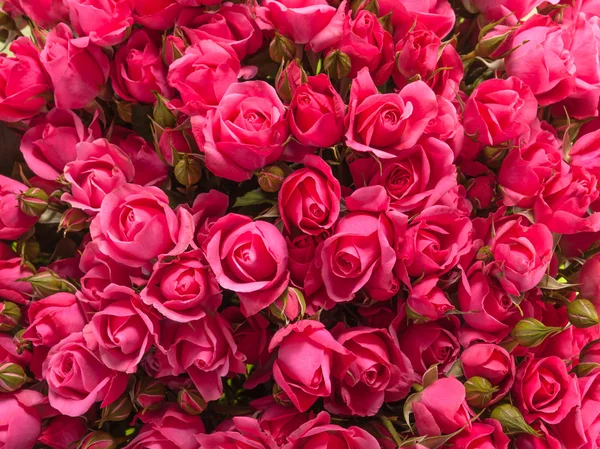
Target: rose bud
46,283
33,202
290,305
582,313
188,171
288,79
20,343
530,332
162,114
74,220
148,393
117,411
511,419
97,440
191,401
589,359
173,49
337,64
12,377
479,391
281,49
10,316
589,279
271,178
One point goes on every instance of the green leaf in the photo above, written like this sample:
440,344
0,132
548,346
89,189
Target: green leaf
549,283
253,198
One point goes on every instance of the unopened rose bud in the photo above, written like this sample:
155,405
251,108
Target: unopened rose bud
97,440
490,44
10,316
29,248
191,401
479,391
288,79
188,171
289,306
173,49
512,420
21,345
368,5
281,396
270,178
12,377
74,220
493,156
337,64
530,332
149,393
582,313
162,114
281,48
33,202
117,411
46,283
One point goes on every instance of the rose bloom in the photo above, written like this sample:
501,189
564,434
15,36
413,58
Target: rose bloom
122,332
203,75
77,378
138,70
78,69
499,110
11,269
544,390
415,180
54,318
427,300
156,14
435,15
63,431
206,210
181,288
546,440
100,168
20,420
441,409
542,60
510,10
45,13
318,432
251,335
385,124
245,132
50,142
245,433
589,279
13,222
521,252
303,367
309,199
491,362
250,258
379,373
232,25
482,434
585,151
106,23
317,113
136,224
24,84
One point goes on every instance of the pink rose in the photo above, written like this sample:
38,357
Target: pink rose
203,75
369,45
232,25
136,224
181,288
547,440
122,332
431,343
385,124
435,15
50,143
521,253
542,60
20,422
205,349
487,434
156,14
306,351
379,373
499,110
527,168
245,433
175,141
319,432
511,10
427,300
491,362
63,432
46,13
445,80
277,420
78,69
106,23
207,209
250,258
11,289
54,318
440,408
589,280
317,113
317,183
138,70
77,378
25,85
417,54
585,152
344,268
415,180
13,222
544,390
251,335
302,250
489,310
99,169
245,132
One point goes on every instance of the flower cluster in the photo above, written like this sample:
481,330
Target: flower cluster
294,224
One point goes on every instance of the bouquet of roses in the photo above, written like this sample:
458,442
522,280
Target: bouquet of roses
300,224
